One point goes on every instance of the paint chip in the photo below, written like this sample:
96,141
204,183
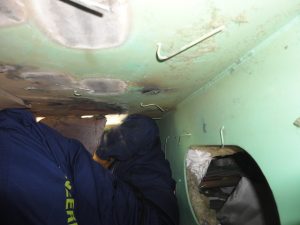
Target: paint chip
297,122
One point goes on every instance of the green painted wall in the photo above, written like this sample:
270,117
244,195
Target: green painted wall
257,99
174,24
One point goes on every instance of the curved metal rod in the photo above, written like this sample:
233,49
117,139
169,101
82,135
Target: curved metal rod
157,106
222,136
161,57
93,5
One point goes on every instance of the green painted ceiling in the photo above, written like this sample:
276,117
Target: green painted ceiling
56,79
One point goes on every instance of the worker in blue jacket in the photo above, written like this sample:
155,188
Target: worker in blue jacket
140,162
46,178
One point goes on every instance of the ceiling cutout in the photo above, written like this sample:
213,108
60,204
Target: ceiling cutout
78,25
12,12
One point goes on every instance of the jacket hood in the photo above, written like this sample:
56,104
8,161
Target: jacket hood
137,135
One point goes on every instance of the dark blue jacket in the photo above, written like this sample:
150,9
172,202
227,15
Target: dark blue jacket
141,163
46,178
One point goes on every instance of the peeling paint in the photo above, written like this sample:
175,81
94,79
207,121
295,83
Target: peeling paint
51,92
151,90
153,86
241,18
103,86
12,12
7,68
49,81
41,81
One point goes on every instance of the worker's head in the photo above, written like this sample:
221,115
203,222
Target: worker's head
136,136
140,161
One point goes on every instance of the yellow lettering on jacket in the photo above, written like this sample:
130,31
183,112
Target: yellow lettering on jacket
70,204
71,216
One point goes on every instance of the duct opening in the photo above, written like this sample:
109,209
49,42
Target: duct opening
227,187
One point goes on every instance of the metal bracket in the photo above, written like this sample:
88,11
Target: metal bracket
222,136
162,58
165,147
151,104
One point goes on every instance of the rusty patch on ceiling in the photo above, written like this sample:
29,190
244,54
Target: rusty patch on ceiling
12,12
103,86
153,86
33,79
52,92
48,81
154,90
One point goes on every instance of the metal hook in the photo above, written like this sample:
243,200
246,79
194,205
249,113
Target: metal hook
165,147
161,57
222,136
183,135
76,93
160,108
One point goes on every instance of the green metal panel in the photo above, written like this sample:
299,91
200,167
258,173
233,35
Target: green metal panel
174,24
256,100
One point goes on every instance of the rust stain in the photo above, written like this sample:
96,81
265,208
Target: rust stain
38,80
51,93
241,18
194,31
104,86
73,106
153,86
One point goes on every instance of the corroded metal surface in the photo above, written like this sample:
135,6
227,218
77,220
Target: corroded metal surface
54,92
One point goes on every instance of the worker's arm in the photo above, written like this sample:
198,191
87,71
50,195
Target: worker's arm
102,162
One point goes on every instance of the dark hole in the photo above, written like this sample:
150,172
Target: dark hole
221,182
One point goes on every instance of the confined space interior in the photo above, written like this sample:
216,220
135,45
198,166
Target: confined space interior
226,186
191,64
68,56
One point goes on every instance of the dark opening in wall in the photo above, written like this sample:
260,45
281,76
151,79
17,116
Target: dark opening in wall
229,188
